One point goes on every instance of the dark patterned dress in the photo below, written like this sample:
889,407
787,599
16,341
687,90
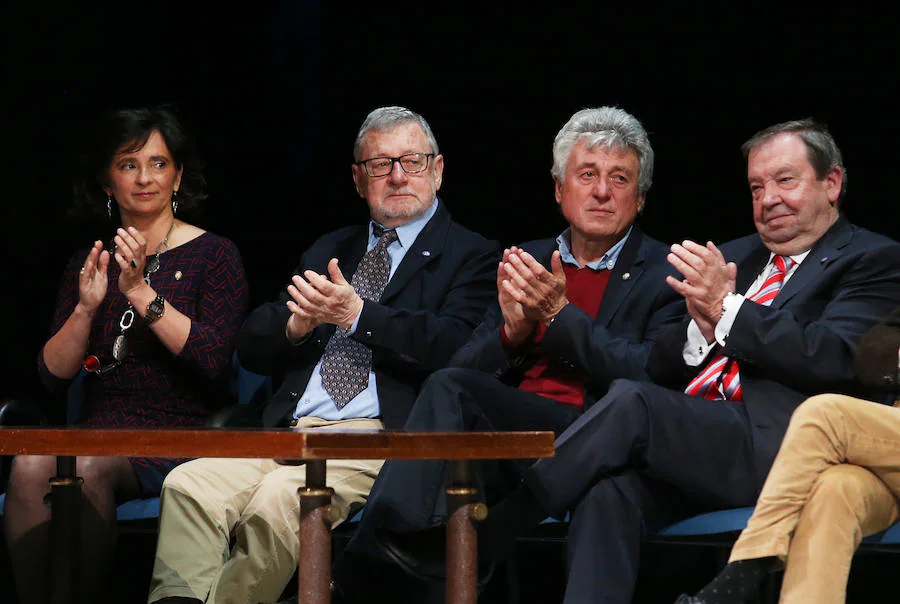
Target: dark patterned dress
204,279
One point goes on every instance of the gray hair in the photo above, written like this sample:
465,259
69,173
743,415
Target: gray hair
388,118
608,126
821,150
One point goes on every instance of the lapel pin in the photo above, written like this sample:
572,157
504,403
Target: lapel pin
178,275
824,259
626,276
426,253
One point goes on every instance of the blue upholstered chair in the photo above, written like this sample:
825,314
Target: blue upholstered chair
717,529
248,389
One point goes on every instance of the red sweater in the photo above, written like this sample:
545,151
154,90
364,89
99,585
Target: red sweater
549,377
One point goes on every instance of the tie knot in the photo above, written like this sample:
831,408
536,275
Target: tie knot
387,235
783,264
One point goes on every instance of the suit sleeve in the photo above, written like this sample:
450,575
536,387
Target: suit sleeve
665,364
484,351
576,339
262,345
425,340
877,354
817,356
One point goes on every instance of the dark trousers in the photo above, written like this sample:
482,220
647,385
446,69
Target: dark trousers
640,457
408,494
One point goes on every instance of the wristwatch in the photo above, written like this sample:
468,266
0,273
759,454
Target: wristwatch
155,310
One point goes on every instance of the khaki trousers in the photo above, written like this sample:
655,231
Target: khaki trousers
229,527
835,480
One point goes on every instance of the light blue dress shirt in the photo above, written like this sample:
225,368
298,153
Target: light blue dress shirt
315,402
608,261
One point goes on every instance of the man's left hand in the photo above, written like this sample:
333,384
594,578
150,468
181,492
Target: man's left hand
333,301
541,293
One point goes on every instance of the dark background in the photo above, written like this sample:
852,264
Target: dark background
275,91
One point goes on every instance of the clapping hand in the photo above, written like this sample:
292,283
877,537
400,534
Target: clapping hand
92,279
541,293
315,300
517,327
707,280
131,254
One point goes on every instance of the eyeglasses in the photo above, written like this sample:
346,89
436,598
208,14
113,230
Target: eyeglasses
412,163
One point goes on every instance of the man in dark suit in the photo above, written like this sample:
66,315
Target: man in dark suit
774,318
573,314
353,355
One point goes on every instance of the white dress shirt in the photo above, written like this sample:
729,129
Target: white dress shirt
696,348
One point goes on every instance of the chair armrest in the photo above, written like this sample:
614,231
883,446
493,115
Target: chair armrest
21,412
236,416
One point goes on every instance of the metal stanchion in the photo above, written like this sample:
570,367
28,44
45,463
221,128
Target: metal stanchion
65,532
464,509
316,518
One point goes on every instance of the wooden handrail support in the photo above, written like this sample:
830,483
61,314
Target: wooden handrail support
314,446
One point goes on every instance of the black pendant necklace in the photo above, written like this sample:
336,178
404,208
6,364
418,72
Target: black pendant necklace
120,344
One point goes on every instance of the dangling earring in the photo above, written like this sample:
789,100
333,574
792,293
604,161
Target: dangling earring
109,206
174,203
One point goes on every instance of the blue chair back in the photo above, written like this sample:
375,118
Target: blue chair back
246,387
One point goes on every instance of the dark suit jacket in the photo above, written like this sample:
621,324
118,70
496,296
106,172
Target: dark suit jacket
877,354
803,344
437,295
636,305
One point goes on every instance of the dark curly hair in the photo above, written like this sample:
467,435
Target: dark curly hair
130,128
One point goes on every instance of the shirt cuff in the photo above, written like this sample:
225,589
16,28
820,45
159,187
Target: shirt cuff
298,342
730,307
352,329
696,349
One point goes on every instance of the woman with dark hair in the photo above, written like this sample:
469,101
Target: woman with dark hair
150,319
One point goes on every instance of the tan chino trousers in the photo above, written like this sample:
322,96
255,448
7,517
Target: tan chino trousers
229,527
835,480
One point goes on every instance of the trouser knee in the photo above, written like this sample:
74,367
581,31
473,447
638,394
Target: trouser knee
843,485
821,407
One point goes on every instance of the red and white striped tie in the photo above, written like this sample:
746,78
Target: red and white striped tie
720,379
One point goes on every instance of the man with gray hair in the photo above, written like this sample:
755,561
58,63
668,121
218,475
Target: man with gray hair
352,351
774,318
573,313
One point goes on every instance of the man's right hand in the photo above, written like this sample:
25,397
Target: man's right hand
300,323
516,326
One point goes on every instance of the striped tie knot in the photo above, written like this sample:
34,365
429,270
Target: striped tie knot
772,285
783,264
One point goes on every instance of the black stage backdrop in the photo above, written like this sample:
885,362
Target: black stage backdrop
274,93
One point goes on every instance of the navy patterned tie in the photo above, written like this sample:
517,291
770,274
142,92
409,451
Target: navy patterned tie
347,362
